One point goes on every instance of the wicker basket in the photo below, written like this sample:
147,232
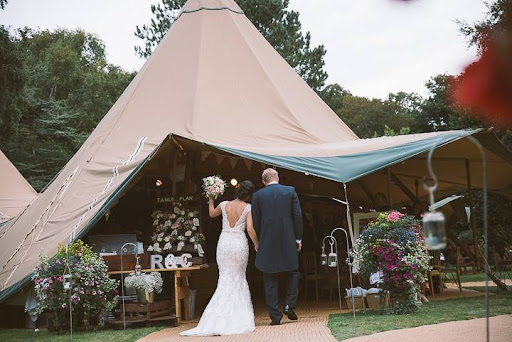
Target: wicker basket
358,301
373,301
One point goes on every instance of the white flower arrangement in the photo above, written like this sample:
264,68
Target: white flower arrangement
148,282
179,224
214,186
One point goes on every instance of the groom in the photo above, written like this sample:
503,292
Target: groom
278,222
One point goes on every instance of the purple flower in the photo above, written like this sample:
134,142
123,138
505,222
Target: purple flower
63,305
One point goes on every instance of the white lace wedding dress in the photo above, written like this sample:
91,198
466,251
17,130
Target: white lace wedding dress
230,310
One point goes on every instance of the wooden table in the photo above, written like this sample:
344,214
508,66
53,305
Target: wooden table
181,286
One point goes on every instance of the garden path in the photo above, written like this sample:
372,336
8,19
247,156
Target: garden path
312,326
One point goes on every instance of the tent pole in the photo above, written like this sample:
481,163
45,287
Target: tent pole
390,198
472,210
349,221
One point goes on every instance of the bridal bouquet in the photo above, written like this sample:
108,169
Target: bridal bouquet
214,186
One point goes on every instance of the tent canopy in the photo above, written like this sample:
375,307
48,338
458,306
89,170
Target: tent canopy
216,81
15,192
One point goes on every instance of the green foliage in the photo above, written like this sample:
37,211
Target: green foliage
58,90
279,25
92,293
11,81
333,95
437,112
482,31
369,117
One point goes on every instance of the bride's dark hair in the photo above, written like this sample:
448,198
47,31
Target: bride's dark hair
244,190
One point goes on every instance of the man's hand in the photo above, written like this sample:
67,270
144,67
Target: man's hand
299,246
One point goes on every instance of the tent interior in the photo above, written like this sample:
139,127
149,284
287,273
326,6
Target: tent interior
176,169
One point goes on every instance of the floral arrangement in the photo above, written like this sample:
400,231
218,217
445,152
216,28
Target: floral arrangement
176,229
394,245
147,282
214,186
92,294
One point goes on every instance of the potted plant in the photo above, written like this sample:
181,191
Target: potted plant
394,245
145,284
75,278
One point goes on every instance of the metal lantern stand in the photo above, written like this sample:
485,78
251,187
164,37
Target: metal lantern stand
67,284
333,261
137,271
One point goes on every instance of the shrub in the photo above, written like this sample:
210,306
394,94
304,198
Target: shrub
91,296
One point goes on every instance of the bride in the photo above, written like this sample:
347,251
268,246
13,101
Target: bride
230,309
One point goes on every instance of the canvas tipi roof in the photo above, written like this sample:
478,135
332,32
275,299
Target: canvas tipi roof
15,192
213,79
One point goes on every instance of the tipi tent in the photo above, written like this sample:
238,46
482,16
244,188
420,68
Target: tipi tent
213,80
15,192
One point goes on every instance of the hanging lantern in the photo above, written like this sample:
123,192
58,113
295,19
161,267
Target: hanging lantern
323,257
332,260
137,266
67,282
434,230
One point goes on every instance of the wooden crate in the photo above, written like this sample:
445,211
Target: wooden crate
114,261
147,313
358,301
373,301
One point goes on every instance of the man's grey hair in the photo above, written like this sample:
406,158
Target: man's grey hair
269,175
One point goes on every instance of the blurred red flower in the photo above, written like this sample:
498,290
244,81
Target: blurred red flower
486,86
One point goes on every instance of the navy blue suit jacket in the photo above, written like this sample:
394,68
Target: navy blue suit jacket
277,220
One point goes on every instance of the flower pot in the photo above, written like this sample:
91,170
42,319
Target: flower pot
145,297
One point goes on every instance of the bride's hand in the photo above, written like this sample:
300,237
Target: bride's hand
256,248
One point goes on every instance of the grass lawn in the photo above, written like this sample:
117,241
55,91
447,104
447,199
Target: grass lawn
106,335
465,278
343,326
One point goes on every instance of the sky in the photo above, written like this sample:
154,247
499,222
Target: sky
374,47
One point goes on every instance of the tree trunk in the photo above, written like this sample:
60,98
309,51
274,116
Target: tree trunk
480,261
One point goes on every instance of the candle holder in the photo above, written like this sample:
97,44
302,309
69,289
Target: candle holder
332,260
323,257
67,282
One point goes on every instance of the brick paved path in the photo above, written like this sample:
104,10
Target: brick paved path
311,326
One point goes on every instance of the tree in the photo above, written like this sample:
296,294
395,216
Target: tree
3,3
437,113
67,87
279,25
497,20
333,95
11,82
372,117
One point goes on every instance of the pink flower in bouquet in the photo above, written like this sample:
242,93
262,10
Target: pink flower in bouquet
394,216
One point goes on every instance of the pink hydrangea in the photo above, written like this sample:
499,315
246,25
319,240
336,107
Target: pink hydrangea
394,216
